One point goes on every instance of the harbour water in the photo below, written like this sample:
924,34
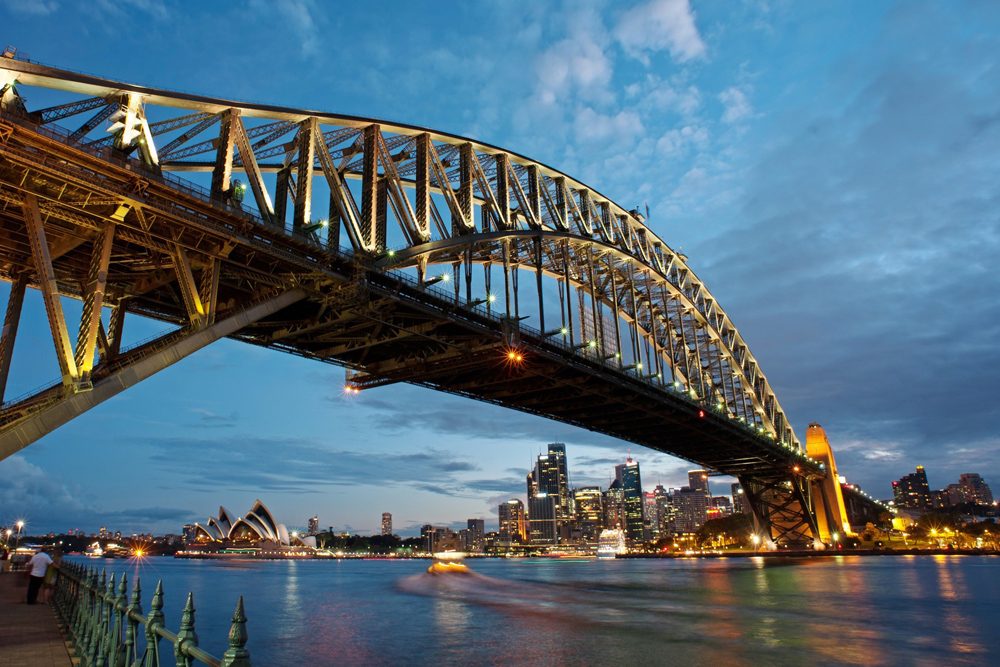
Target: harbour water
908,610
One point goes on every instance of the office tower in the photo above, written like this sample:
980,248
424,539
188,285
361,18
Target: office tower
589,505
513,527
976,490
650,514
664,523
542,520
627,475
912,490
741,504
475,535
614,506
386,523
692,509
313,525
698,481
550,477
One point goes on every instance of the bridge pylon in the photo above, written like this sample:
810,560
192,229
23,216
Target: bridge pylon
827,497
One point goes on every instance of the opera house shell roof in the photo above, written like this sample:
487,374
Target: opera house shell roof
256,525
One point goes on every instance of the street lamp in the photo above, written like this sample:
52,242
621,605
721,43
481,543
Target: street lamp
755,538
20,525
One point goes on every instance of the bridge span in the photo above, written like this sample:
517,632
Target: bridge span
400,253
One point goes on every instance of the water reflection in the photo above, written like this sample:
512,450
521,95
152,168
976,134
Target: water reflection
844,610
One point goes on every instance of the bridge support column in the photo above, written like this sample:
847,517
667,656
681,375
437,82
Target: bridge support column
11,321
50,290
20,430
782,511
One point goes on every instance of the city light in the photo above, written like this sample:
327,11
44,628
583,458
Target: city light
492,298
514,356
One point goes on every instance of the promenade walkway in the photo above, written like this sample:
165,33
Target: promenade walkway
29,634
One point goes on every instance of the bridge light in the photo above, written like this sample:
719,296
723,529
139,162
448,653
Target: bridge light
445,277
701,414
592,344
326,223
795,468
563,331
638,366
390,252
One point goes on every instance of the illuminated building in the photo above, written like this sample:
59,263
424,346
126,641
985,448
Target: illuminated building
692,509
589,506
614,506
912,490
550,477
627,475
651,514
542,520
976,490
512,522
698,481
386,523
256,528
722,505
313,525
740,503
474,537
664,515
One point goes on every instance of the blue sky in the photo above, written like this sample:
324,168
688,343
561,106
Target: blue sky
830,169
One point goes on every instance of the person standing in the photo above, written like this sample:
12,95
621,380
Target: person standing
37,567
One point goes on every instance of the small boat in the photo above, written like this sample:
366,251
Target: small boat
448,562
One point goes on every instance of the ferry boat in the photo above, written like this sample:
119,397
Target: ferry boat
611,543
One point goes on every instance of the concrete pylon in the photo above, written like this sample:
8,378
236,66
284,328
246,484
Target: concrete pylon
827,498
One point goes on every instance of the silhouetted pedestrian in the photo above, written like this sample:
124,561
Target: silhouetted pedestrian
36,569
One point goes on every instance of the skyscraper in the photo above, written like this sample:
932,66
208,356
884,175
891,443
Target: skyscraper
692,509
976,490
664,515
741,505
627,475
698,481
386,523
912,490
550,477
475,536
313,525
542,520
512,521
589,504
614,506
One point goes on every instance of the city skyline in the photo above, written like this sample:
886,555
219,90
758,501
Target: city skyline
724,109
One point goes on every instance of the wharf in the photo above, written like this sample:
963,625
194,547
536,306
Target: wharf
29,634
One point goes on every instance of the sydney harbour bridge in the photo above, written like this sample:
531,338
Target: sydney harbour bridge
400,253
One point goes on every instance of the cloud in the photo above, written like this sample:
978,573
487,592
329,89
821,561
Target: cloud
619,128
660,25
32,7
301,17
575,65
209,419
120,8
736,105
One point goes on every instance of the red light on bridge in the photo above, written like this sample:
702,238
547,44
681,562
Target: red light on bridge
795,468
701,414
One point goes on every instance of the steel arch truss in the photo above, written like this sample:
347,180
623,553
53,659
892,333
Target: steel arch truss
93,182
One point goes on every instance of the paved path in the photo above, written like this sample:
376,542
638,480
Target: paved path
29,634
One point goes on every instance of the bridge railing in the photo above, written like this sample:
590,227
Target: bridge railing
108,628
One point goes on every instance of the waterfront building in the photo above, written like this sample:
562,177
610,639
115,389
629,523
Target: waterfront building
386,523
588,503
513,526
975,488
313,525
256,529
628,477
550,477
440,538
475,534
664,510
542,520
188,533
912,490
614,506
692,509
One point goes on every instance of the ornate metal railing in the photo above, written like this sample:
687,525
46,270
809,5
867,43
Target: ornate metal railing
108,629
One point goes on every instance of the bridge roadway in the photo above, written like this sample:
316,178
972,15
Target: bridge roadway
87,221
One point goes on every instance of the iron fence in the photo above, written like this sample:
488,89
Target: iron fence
108,628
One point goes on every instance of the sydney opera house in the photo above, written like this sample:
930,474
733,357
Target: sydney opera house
254,533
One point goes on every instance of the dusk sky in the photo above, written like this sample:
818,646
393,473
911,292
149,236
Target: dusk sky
831,169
